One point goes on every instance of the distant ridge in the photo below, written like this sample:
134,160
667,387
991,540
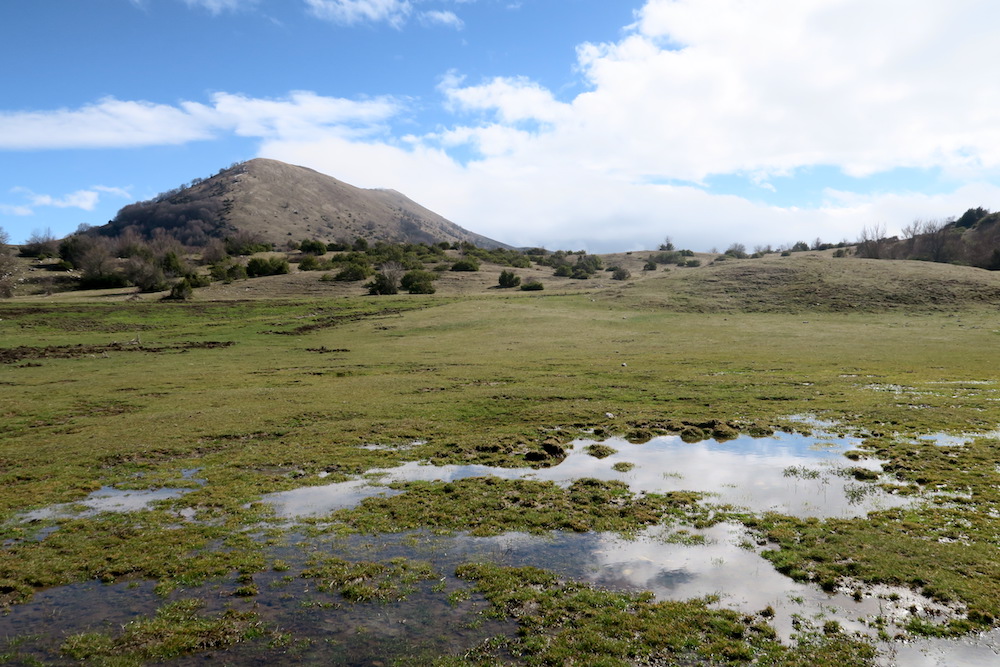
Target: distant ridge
277,202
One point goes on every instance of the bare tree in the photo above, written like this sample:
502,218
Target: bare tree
388,278
913,229
41,243
935,239
872,241
214,251
393,271
737,250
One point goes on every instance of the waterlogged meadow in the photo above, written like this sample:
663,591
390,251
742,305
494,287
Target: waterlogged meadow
481,479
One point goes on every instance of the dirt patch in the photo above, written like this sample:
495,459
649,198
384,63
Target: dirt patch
12,355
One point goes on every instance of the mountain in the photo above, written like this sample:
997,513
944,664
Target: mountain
276,202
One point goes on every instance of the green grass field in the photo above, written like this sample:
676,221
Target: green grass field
264,395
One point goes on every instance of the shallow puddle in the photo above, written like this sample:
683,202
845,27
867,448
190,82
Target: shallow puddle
105,499
976,651
719,562
110,499
787,473
320,500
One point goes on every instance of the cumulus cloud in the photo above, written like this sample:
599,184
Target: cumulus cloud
112,123
701,88
109,123
86,200
512,99
302,114
729,86
444,18
351,12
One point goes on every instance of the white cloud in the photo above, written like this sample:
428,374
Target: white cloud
709,87
302,114
86,200
219,6
771,86
117,192
512,99
444,18
112,123
109,123
351,12
82,199
18,210
694,88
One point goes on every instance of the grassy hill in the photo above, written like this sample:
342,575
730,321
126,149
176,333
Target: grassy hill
802,282
276,202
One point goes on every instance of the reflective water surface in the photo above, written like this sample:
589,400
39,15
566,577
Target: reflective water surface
787,473
722,564
105,499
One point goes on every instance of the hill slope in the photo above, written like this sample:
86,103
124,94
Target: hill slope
814,282
277,202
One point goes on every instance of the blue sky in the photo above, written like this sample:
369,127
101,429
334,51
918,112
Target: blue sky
582,124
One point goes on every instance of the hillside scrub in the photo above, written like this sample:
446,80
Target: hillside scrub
9,267
972,239
266,266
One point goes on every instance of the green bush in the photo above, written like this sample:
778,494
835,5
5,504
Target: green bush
353,272
236,247
312,247
621,274
103,281
532,286
172,264
466,264
264,266
228,270
382,284
198,279
419,282
509,279
737,251
309,263
146,275
181,290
